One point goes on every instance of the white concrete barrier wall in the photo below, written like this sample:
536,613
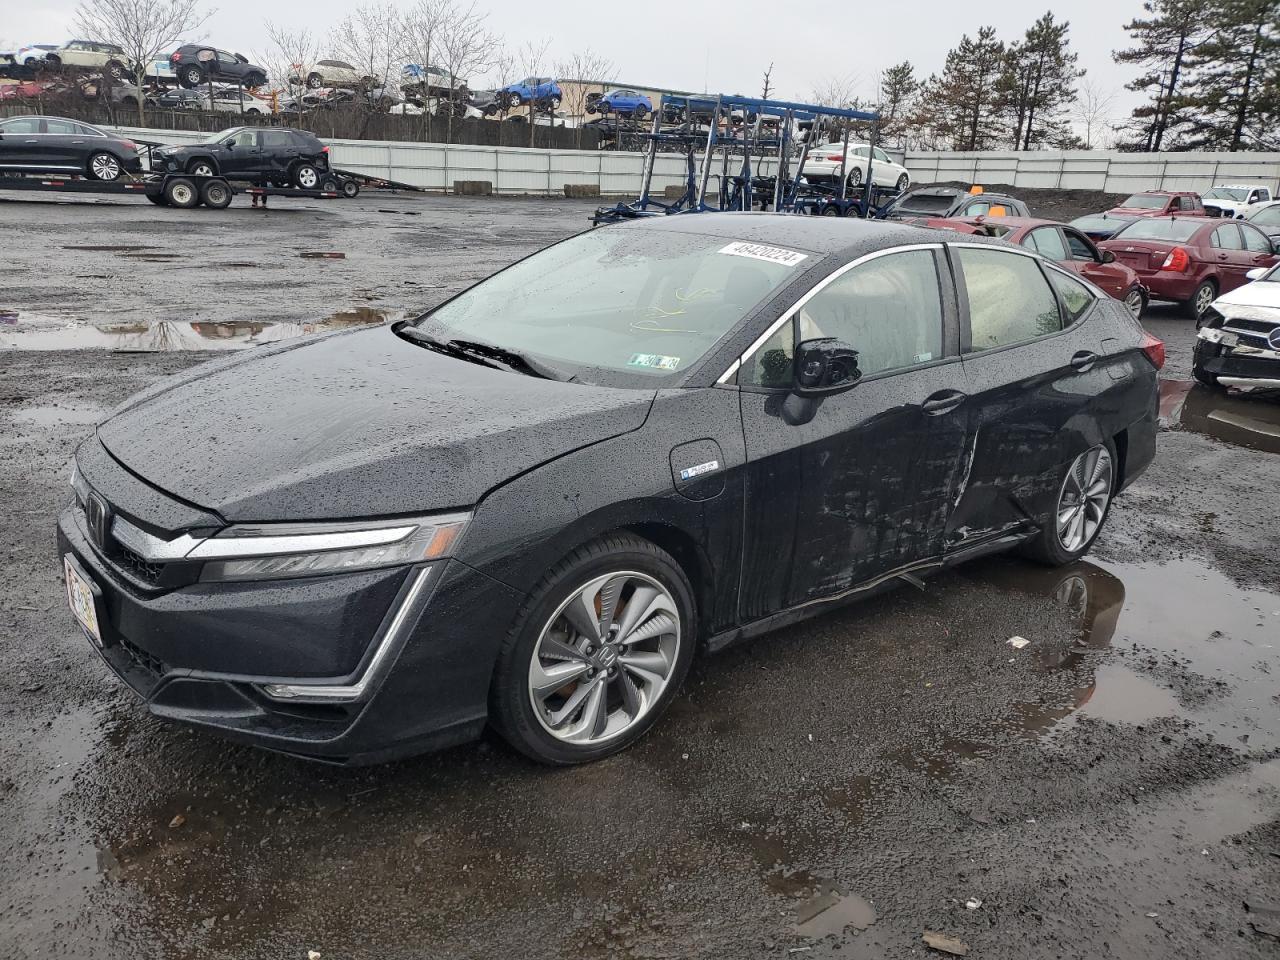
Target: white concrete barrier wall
520,170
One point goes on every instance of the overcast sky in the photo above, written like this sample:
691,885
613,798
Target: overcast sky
679,44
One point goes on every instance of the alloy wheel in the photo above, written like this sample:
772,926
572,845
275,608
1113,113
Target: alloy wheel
1133,303
1083,498
104,166
604,658
1204,297
308,178
201,170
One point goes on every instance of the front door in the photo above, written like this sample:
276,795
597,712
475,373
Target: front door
20,143
845,488
1231,257
241,154
1086,261
1028,363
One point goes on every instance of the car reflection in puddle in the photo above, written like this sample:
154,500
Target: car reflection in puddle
1243,420
166,336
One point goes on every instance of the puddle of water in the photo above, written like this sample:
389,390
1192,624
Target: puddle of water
1122,696
1238,419
110,247
162,336
831,911
322,255
72,413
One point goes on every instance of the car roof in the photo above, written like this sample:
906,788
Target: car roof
1015,223
840,236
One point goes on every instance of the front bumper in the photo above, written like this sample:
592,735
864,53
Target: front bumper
416,645
1236,365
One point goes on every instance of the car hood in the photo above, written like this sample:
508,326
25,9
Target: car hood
356,424
1263,294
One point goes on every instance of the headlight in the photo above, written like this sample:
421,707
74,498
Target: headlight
280,550
78,486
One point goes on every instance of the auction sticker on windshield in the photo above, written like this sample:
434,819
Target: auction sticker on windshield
80,596
759,251
654,360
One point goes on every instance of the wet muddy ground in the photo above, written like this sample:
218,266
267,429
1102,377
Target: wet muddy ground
836,789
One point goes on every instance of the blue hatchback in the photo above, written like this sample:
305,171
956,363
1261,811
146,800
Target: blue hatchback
625,103
541,91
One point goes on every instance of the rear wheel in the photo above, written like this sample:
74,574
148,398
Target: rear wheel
597,654
104,166
216,194
831,210
513,101
1205,294
855,178
314,81
1084,499
306,176
181,192
192,76
903,182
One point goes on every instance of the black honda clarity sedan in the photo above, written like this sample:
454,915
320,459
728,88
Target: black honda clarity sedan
534,505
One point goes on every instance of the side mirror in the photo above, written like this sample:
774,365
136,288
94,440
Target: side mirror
1256,273
1275,244
1108,256
825,366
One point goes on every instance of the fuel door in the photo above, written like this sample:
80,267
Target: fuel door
697,469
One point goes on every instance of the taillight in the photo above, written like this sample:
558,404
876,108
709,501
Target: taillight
130,145
1153,347
1177,259
325,148
176,55
834,156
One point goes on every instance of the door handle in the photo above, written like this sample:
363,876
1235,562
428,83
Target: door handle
1222,256
1084,360
941,402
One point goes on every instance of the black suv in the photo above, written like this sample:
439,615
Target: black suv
195,64
276,155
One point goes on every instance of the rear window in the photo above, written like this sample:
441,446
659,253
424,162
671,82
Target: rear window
1146,201
1175,230
926,203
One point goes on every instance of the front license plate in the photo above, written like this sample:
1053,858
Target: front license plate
82,598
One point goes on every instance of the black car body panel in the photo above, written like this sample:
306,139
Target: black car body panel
775,505
58,145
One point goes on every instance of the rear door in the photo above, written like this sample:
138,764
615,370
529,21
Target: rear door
846,488
1030,368
279,149
63,143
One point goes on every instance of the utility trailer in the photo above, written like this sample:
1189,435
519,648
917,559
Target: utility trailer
180,190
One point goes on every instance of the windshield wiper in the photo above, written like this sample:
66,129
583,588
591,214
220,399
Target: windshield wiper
509,358
414,335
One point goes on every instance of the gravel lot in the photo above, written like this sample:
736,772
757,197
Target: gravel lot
831,790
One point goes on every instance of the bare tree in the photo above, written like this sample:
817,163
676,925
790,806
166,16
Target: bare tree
1092,109
372,39
841,92
532,59
289,54
467,47
594,74
767,87
142,28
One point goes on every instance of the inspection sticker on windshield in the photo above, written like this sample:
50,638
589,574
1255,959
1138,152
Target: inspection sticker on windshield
655,360
758,251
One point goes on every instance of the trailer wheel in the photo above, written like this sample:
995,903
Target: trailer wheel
216,194
182,193
350,189
329,184
831,210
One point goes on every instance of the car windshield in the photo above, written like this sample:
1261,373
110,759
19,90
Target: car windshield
1145,201
619,306
1161,229
1267,216
1098,223
1226,193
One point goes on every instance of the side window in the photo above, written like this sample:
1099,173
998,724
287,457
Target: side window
277,139
888,309
1255,241
1047,242
881,156
62,127
21,125
1079,246
1009,298
245,138
1076,297
977,208
1227,237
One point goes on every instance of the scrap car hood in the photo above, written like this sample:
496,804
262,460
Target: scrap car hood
1258,299
355,425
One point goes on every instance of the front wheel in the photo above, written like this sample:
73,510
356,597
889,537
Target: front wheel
513,100
306,176
1135,302
1081,507
597,653
104,166
201,168
314,81
903,182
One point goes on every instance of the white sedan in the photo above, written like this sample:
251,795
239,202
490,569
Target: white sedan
823,163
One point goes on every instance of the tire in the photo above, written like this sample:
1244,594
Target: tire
904,181
115,70
254,80
350,189
314,81
544,638
202,168
1135,302
1205,294
554,102
305,176
104,166
831,210
1204,351
853,210
639,113
216,194
329,184
181,193
513,100
1051,545
855,178
192,77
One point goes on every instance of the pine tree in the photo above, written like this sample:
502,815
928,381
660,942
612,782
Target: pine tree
1163,42
961,105
1232,92
1038,83
898,88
